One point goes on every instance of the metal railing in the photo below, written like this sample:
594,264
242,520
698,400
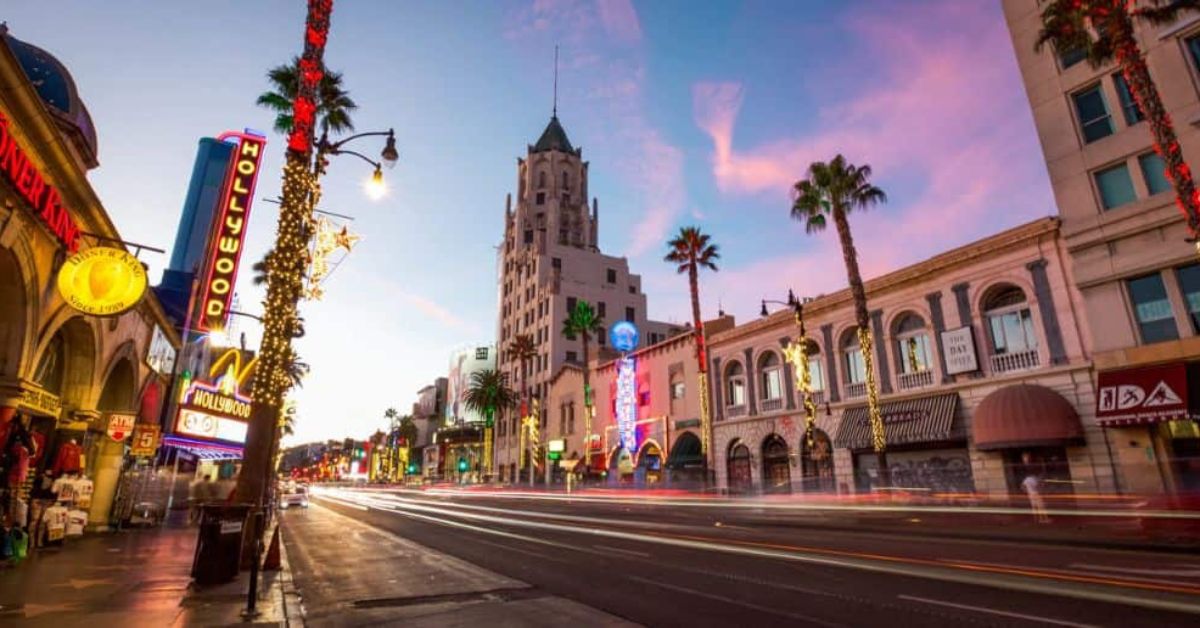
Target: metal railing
735,411
771,405
856,390
1018,361
919,379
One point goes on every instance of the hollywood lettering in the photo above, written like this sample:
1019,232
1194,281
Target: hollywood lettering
218,403
229,232
44,198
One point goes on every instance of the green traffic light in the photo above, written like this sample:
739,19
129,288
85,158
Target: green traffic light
462,465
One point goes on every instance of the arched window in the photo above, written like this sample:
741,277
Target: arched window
542,179
1010,321
49,374
912,343
852,358
566,181
771,382
735,385
816,373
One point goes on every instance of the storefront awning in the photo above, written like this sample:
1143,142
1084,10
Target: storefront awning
1025,415
204,450
1145,395
921,420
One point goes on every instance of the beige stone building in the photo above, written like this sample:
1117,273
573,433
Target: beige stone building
983,372
1138,276
548,260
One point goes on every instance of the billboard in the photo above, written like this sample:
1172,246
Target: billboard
464,363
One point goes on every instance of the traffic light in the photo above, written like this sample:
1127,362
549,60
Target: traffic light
462,465
412,467
554,455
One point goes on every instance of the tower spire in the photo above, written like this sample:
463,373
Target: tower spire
554,110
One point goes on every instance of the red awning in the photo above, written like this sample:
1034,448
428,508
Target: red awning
1025,415
1143,396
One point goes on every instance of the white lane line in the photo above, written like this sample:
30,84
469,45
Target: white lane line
1185,573
806,619
1075,569
992,611
618,550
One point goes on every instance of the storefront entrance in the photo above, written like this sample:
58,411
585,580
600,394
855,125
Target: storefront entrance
817,463
777,475
740,480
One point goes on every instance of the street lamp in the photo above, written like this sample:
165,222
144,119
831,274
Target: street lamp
797,353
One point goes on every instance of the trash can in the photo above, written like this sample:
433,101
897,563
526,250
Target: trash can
219,548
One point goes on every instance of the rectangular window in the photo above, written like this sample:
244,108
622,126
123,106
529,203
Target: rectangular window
737,392
528,240
1129,106
632,289
1154,171
612,276
1116,188
629,314
1093,114
1012,332
1193,44
572,357
1152,309
570,305
677,390
601,309
1189,284
1070,57
771,384
856,367
541,198
815,375
601,336
556,262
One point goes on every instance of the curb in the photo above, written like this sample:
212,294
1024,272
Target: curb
293,607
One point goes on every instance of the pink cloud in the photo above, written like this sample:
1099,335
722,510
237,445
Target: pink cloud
620,20
942,114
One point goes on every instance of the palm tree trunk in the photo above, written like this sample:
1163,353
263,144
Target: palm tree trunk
1141,85
587,403
702,364
525,400
863,320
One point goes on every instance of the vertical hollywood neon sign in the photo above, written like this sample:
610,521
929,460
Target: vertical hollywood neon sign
229,231
627,403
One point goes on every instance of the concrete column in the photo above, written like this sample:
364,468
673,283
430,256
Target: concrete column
751,383
881,354
109,456
1045,297
789,377
939,325
831,351
715,382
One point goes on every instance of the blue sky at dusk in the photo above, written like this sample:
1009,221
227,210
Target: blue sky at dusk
689,112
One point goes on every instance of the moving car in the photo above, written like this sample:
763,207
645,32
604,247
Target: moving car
293,496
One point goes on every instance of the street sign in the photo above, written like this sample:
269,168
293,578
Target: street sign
145,441
120,426
557,445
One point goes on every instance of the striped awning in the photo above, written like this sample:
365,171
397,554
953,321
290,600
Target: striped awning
920,420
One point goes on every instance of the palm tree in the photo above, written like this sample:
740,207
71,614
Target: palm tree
583,322
295,368
522,349
489,392
691,250
1104,30
834,190
334,104
288,427
261,268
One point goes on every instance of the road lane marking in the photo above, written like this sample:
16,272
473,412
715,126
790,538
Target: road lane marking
619,550
993,611
1185,573
728,600
1011,579
1074,569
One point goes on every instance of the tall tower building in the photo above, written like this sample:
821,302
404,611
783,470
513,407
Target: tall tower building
548,260
1127,240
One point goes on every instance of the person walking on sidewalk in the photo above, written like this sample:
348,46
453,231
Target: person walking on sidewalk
1032,485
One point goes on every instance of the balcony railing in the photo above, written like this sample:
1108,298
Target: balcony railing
919,379
1018,361
856,390
818,397
735,411
771,405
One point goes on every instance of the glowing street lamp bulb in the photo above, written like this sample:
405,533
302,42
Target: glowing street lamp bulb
375,187
218,338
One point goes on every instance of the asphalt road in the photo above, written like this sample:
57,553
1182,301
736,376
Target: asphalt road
664,562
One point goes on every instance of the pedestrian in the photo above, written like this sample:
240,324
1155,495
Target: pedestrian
1033,488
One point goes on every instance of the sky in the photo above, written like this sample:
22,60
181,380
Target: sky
691,113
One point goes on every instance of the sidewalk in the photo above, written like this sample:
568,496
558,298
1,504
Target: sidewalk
352,574
132,579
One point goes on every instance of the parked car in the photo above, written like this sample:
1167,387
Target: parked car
295,496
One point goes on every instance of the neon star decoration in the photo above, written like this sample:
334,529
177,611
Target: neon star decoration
326,241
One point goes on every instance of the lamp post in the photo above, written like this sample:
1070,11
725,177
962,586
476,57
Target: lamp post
797,353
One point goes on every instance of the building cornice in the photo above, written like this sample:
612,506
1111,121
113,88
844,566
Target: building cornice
899,279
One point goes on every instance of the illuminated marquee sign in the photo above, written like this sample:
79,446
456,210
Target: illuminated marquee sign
102,281
627,402
218,402
229,232
199,424
44,198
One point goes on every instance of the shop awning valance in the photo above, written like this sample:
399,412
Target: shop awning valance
920,420
1025,415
